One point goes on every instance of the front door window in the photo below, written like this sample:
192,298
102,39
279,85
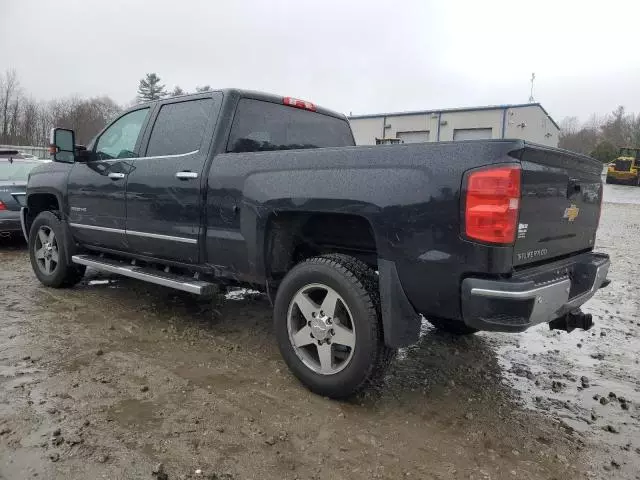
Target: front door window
119,140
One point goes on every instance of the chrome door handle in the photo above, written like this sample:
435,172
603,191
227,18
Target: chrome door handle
185,175
116,176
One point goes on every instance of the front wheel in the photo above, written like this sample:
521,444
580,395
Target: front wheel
328,325
49,254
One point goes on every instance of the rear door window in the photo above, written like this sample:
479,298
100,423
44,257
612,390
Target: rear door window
179,127
263,126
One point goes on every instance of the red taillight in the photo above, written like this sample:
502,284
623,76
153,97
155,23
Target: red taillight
492,204
296,102
2,206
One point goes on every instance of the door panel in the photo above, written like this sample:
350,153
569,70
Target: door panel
96,202
96,189
164,190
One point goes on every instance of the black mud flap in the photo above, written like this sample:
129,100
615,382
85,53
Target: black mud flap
400,321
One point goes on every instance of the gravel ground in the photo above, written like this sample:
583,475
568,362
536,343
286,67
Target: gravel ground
122,380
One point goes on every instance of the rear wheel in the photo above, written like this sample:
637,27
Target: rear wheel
49,253
328,325
451,326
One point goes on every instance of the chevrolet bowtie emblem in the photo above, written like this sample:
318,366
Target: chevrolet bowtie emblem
570,213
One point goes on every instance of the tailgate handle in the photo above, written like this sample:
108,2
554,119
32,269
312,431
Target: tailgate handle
573,188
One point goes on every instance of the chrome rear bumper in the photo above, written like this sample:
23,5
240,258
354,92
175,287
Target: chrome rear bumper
517,304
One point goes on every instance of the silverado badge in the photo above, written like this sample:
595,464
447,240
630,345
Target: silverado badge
570,213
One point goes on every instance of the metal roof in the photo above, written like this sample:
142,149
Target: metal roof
460,109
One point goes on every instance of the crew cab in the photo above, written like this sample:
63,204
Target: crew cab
353,245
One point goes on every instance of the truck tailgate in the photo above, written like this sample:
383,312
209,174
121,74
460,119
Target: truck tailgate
560,204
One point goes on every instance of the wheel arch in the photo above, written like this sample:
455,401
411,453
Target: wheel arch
39,202
291,237
287,243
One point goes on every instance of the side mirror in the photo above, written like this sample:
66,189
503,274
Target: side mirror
82,154
62,145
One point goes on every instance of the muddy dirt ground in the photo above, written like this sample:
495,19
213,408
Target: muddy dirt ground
113,377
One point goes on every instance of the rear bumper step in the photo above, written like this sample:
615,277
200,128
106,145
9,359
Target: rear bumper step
186,284
513,305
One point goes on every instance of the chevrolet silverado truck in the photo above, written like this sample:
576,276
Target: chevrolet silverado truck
354,246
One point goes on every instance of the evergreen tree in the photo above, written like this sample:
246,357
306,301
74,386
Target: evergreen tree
177,91
150,88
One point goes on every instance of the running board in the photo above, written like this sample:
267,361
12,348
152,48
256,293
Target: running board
178,282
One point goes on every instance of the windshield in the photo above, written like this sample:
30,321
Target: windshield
16,171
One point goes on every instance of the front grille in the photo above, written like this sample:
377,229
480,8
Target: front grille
623,165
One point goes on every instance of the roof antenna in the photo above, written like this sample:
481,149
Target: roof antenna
533,77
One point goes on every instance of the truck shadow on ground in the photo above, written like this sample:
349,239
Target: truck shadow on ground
12,242
437,371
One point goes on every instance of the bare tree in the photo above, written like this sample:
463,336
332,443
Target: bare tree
9,86
14,118
569,125
602,136
28,122
618,129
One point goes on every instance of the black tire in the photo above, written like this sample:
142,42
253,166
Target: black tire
357,284
608,180
451,326
64,273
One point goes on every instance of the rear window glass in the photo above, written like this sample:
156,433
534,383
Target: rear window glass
16,171
179,127
263,126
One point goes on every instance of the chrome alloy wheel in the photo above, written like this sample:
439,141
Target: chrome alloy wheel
46,250
321,329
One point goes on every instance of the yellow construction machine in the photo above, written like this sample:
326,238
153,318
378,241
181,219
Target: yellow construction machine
626,168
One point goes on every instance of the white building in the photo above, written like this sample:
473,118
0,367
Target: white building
529,121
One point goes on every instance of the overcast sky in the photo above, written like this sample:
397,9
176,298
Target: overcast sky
360,56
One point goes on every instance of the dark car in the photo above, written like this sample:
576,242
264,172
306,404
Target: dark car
238,188
14,172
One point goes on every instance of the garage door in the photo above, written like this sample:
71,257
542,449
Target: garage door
413,137
471,133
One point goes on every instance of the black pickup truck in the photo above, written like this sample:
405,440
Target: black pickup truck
353,245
